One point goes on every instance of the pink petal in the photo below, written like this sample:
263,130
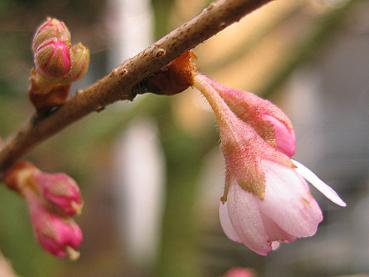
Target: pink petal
288,201
275,233
247,221
284,137
326,190
226,224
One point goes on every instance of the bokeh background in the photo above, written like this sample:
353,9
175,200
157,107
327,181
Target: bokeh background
151,171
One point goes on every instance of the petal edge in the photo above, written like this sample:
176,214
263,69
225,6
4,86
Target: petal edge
316,182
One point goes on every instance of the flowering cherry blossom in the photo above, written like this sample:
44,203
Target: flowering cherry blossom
266,199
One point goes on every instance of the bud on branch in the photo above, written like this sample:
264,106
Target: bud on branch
80,56
51,28
52,59
57,65
52,200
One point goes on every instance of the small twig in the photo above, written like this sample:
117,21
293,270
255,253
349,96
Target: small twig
119,83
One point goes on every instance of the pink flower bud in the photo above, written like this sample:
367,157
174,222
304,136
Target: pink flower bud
57,190
60,190
52,58
57,235
269,121
51,28
283,136
80,56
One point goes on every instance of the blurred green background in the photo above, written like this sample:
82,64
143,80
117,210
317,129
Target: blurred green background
151,171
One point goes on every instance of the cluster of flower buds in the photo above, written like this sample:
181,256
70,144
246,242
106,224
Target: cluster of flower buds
58,63
53,199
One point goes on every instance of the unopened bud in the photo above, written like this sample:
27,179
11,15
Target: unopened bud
52,59
269,121
60,190
283,135
80,57
57,235
51,28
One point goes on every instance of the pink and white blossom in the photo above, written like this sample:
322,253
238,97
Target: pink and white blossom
266,199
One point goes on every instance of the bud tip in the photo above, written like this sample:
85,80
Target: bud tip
72,254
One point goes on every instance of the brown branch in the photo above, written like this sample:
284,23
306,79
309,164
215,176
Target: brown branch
119,83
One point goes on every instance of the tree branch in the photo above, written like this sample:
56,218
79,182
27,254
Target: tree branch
119,83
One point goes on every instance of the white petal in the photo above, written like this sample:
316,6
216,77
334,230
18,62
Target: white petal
276,233
226,224
288,201
326,190
247,221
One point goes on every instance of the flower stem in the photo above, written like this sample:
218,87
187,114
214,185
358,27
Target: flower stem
226,119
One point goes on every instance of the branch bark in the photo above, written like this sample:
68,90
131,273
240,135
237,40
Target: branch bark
118,84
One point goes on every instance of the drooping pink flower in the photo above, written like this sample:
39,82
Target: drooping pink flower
266,200
269,121
60,190
58,235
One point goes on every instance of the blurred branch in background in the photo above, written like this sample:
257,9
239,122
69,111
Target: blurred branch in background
179,251
251,40
323,30
162,10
